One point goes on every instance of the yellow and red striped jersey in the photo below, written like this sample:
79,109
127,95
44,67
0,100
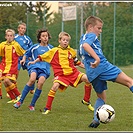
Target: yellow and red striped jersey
10,53
61,60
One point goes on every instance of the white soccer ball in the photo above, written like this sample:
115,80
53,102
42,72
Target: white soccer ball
105,113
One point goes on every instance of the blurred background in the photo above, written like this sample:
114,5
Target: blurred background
116,38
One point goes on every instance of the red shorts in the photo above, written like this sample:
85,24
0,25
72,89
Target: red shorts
66,80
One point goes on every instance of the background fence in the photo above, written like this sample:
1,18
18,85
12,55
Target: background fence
116,38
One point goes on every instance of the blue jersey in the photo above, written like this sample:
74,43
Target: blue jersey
33,53
104,66
25,42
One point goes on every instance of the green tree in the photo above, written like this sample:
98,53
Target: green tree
11,13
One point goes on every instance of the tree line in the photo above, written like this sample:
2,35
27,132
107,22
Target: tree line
116,38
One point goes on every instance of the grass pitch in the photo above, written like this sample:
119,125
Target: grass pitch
68,113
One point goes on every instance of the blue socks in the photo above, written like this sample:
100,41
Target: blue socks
32,87
25,92
99,102
35,97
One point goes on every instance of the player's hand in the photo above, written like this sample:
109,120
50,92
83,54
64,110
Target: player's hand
31,62
94,64
22,62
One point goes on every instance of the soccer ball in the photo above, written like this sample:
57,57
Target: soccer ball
105,113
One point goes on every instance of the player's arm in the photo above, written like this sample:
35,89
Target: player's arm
78,63
22,62
33,62
20,51
92,53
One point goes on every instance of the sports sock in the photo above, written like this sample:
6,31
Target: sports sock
36,96
24,93
10,93
87,93
14,89
32,87
99,102
50,99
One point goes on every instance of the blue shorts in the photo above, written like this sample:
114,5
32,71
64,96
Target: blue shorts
39,73
100,82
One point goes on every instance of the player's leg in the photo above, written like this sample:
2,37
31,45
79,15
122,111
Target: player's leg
99,86
87,92
15,90
32,91
11,94
37,93
50,98
123,79
10,87
26,89
24,67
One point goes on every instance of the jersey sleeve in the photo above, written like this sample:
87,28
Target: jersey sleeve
1,49
48,56
90,38
20,51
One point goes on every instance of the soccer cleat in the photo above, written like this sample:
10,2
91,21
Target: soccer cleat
88,105
94,124
32,91
17,105
0,97
31,108
11,101
46,111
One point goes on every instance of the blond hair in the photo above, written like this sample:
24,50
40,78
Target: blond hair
92,20
64,34
24,24
10,30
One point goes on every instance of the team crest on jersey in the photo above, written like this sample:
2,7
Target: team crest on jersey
13,50
70,56
24,41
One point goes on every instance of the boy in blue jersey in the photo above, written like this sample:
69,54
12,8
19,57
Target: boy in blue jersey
25,42
98,69
39,71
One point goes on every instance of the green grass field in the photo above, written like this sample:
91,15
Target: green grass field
68,113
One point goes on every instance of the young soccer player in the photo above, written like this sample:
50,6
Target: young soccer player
98,69
39,71
25,42
62,60
10,51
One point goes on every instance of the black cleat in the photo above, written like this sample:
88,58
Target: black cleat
94,124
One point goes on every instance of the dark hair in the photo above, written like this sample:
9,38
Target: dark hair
39,34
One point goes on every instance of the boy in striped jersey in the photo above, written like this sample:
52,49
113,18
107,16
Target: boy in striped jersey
63,60
25,42
10,51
